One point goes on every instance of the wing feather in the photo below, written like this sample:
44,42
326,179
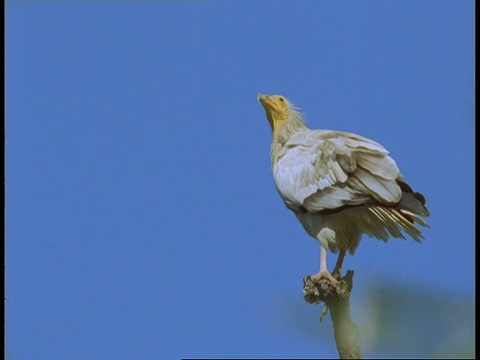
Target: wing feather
383,190
321,170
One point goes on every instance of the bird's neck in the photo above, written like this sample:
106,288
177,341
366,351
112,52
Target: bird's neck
284,131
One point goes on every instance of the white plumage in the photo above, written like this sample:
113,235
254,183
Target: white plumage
339,185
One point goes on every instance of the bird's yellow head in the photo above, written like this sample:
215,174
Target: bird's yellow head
277,109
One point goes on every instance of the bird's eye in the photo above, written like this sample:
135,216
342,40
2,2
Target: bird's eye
282,100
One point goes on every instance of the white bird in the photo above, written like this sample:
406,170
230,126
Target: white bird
339,185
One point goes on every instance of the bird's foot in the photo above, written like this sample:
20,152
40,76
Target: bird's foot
324,274
336,274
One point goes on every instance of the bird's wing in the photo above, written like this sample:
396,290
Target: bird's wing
320,170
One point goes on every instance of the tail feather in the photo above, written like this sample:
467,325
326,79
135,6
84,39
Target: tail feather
377,220
394,221
415,218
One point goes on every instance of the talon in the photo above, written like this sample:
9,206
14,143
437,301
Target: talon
337,275
325,275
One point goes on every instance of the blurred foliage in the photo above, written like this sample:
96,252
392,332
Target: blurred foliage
399,319
395,320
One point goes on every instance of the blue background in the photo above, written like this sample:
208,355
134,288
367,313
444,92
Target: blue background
142,220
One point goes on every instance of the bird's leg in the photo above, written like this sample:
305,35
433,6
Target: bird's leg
323,273
337,272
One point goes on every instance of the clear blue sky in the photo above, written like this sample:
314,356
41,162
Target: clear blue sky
142,218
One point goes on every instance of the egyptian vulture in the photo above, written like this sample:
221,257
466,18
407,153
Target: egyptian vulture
339,185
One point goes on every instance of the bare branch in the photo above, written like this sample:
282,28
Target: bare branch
337,299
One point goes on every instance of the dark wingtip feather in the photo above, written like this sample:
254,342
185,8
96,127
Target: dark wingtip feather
412,201
404,186
419,197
